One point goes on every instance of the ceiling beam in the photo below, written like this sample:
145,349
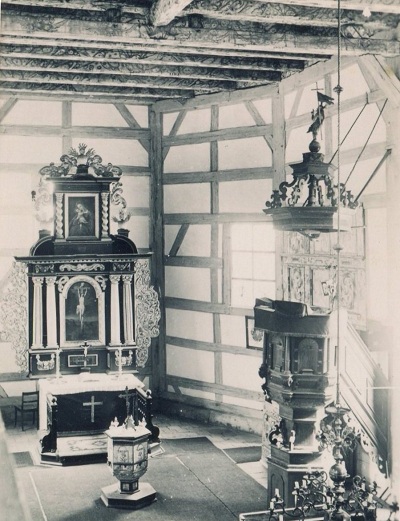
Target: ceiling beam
123,50
144,69
232,36
162,12
281,13
388,6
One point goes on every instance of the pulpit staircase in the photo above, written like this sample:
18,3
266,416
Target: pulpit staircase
364,388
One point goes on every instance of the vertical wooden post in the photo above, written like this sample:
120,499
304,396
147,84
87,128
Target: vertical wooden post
279,173
393,220
159,365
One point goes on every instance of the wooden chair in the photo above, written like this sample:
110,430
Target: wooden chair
29,405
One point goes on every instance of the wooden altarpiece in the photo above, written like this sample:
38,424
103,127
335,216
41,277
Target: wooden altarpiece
92,311
91,306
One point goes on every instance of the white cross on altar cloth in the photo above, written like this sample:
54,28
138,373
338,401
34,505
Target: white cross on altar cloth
92,404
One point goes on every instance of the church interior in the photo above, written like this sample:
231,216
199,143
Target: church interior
199,244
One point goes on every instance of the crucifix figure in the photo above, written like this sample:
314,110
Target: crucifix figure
127,395
85,347
92,404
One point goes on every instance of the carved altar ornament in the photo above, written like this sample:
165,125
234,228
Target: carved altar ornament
117,199
46,365
147,307
44,268
81,161
42,199
82,267
123,361
14,312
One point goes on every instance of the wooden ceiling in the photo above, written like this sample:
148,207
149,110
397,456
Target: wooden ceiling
142,51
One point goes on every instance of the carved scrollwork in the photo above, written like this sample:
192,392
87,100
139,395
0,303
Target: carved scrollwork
81,156
123,361
46,268
61,283
46,365
82,267
102,281
13,313
147,311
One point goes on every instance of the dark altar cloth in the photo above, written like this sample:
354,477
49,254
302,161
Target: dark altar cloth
89,411
292,319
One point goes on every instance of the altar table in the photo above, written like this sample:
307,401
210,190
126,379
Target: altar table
83,383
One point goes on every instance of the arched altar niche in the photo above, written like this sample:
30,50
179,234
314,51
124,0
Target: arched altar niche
82,315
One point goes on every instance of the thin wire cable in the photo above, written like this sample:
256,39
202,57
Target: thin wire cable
366,143
338,246
350,129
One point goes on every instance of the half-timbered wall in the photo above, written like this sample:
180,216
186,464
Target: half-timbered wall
196,178
220,158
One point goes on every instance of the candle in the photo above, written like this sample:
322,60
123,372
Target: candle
296,484
271,505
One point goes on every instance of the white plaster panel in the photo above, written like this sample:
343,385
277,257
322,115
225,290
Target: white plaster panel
244,153
264,288
242,264
188,158
241,237
18,230
40,150
352,81
136,190
377,263
241,402
140,113
244,196
264,107
241,371
138,227
264,266
196,121
187,198
190,363
195,393
232,116
170,233
97,114
242,293
193,325
233,330
168,121
197,241
288,102
117,151
263,237
34,112
189,283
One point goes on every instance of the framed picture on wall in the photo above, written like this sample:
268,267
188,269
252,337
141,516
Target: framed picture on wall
81,216
254,337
